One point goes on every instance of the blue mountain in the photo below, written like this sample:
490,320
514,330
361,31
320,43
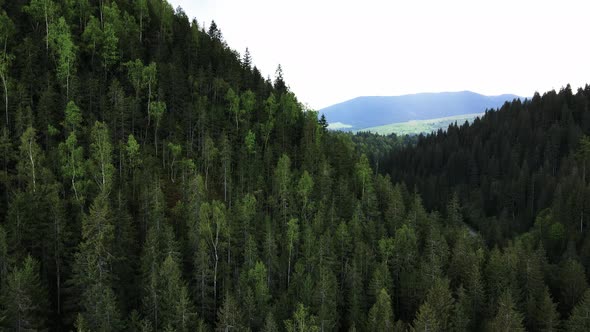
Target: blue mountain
371,111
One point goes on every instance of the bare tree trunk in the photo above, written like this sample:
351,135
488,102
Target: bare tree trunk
3,77
32,163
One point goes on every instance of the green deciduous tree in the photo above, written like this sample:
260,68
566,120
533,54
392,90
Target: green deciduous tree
5,63
213,230
30,158
302,321
72,154
64,47
42,11
101,155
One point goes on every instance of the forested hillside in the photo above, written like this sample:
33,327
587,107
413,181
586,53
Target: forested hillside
153,180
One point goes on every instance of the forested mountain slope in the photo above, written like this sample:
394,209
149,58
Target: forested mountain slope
152,180
510,165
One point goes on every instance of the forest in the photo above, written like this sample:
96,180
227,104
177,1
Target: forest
152,179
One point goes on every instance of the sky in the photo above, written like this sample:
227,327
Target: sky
335,50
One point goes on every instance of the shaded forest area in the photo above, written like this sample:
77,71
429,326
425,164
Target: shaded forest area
153,180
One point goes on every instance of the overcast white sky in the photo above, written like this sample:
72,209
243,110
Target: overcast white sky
335,50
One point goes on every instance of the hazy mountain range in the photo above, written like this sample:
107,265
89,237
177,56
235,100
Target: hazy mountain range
371,111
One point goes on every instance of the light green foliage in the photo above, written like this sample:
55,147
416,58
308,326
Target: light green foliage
213,230
250,142
258,287
72,165
132,150
62,44
101,154
102,38
363,174
92,35
30,158
302,321
73,117
148,76
135,70
141,10
42,11
72,154
157,110
6,31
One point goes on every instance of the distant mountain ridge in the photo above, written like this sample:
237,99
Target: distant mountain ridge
372,111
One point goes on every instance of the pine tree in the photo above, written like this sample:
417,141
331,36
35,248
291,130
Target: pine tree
24,299
229,316
381,315
507,317
580,318
92,269
426,319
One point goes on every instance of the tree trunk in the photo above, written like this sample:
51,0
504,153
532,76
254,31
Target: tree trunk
215,280
46,29
3,77
32,164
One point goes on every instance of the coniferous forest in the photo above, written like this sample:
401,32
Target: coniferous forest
151,179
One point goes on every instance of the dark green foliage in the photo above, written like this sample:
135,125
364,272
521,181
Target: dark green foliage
24,298
152,180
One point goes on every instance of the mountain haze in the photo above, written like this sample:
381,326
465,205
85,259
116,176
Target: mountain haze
371,111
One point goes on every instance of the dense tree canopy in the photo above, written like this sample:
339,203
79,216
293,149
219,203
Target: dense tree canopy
152,180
